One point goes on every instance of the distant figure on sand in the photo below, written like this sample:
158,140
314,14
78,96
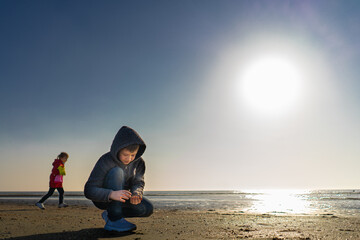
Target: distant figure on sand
116,183
56,181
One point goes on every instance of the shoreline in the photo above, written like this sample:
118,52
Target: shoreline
24,221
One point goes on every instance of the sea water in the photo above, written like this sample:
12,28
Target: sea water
339,202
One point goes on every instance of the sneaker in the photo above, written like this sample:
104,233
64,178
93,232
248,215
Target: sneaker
120,225
104,215
61,205
40,205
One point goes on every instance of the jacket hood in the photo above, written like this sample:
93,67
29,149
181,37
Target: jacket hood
57,162
126,136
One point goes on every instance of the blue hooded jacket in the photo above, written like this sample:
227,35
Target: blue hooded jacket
134,171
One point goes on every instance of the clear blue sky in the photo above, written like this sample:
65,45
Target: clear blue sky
73,72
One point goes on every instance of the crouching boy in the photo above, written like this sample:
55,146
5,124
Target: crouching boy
116,183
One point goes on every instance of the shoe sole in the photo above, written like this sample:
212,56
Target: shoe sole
109,228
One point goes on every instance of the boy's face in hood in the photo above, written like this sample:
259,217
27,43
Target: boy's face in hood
125,137
126,157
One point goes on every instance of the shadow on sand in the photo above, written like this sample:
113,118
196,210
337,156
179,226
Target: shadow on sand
19,210
90,233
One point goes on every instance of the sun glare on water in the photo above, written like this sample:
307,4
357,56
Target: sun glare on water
270,85
280,201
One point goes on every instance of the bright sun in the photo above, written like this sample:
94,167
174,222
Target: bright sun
270,85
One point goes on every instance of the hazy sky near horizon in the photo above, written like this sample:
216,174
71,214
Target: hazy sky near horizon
73,72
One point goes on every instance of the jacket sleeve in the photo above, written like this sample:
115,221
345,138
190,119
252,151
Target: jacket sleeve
93,189
138,183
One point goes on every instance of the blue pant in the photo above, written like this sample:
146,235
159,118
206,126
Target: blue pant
115,180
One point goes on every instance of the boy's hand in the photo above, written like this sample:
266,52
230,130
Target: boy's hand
120,195
135,199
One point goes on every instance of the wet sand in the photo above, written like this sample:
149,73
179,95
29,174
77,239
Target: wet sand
25,221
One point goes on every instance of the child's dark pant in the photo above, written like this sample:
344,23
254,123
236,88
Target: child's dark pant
51,192
115,180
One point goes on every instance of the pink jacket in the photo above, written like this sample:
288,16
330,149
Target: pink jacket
55,177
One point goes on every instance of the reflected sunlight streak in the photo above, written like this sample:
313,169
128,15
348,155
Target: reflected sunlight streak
280,201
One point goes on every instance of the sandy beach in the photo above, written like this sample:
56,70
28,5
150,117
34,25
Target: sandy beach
25,221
